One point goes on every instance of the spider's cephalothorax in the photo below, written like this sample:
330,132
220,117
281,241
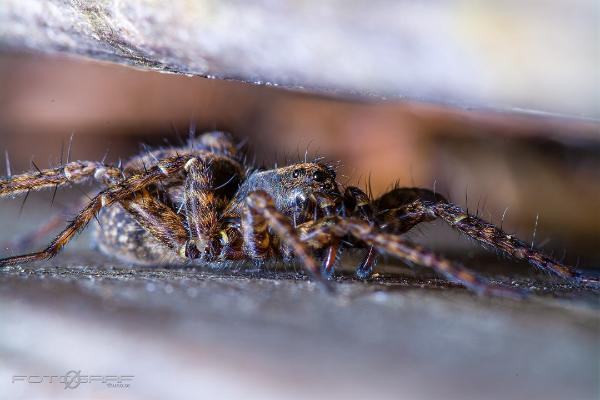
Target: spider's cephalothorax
200,202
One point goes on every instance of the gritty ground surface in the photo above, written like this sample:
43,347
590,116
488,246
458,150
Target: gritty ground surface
245,333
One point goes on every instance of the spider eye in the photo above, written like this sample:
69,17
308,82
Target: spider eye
320,176
297,172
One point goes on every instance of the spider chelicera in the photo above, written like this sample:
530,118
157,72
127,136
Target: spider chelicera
200,202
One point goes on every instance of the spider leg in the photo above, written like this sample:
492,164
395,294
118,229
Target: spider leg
318,235
201,206
332,251
200,235
490,235
365,268
357,203
101,172
73,172
209,173
261,214
150,213
28,239
255,230
105,198
427,206
155,217
82,219
162,222
330,259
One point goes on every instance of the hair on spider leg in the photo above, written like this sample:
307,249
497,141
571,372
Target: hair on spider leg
485,198
503,216
537,217
177,134
53,195
35,166
105,156
467,198
7,164
166,143
544,243
69,147
411,174
370,187
23,203
242,144
192,134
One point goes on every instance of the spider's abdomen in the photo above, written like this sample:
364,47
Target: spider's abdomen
120,236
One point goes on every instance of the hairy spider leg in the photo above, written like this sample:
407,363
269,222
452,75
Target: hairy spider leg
73,172
330,259
318,235
357,203
150,213
105,198
153,215
201,206
406,216
158,219
202,237
26,240
70,173
255,230
333,251
261,214
492,236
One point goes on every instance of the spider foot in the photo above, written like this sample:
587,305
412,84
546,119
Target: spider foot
363,271
327,273
365,268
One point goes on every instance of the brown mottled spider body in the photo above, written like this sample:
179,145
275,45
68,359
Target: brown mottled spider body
199,202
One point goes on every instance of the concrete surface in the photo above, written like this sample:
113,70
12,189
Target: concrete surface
244,333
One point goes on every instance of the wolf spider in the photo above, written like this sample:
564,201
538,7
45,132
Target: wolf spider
200,202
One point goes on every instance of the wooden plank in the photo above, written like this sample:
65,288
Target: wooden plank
538,57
